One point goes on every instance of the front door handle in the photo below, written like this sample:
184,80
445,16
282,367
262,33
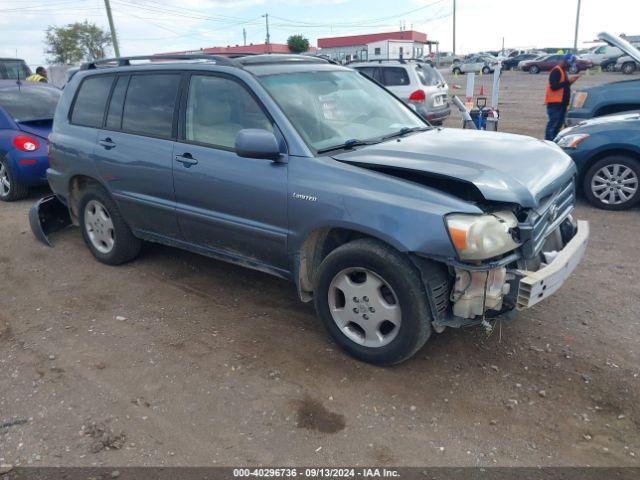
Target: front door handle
186,159
107,143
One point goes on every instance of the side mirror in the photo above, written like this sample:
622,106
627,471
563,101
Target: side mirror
257,143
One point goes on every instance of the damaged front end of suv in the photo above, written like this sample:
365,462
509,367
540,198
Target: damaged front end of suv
508,259
512,244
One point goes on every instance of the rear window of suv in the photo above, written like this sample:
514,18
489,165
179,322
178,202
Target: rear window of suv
88,108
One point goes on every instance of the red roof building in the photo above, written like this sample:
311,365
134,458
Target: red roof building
354,40
376,46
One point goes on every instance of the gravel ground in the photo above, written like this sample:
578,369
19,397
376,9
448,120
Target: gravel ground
176,359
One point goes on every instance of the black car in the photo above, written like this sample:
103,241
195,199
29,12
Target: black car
512,63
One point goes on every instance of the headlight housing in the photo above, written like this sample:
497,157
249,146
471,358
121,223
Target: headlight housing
572,140
478,237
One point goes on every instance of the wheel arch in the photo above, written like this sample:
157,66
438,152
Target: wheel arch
319,243
77,184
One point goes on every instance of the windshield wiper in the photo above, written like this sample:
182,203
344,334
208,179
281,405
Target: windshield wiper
404,131
353,142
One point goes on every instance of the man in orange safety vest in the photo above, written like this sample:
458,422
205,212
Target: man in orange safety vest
558,95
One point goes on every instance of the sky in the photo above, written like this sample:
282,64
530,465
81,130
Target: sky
154,26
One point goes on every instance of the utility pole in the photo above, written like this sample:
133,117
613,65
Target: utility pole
244,36
575,37
266,17
112,27
454,27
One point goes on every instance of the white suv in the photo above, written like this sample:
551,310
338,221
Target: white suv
416,83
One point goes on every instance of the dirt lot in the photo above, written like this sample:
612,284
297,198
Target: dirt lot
176,359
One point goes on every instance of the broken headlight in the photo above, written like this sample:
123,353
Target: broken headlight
478,237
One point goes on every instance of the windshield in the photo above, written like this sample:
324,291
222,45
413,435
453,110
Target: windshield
13,70
29,103
335,107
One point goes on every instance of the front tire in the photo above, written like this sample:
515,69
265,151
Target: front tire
486,70
104,230
534,69
10,189
613,183
371,300
628,68
457,71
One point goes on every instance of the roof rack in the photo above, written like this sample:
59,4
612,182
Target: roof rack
271,58
126,61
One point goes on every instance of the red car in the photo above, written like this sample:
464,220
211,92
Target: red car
547,62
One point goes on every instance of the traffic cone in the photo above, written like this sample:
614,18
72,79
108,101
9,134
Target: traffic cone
481,90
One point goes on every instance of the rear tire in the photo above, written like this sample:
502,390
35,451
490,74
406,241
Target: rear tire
534,69
371,300
611,67
613,183
486,70
104,230
628,68
457,71
10,189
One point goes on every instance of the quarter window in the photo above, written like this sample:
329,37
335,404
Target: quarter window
88,109
150,103
218,108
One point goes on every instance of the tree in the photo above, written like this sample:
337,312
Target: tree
297,43
76,42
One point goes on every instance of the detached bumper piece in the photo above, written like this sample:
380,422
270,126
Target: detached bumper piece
534,287
48,215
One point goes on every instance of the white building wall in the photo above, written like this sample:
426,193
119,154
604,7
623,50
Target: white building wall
390,50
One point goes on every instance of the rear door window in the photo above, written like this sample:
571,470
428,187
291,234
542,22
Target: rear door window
88,109
394,76
150,104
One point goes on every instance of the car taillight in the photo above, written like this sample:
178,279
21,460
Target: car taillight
417,96
24,143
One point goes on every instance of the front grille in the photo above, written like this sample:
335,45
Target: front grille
544,220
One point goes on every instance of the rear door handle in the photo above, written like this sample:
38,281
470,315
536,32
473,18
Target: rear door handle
107,143
186,159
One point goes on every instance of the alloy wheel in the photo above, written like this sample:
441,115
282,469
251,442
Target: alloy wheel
99,226
614,184
364,307
5,183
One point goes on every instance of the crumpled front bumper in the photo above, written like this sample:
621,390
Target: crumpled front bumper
535,286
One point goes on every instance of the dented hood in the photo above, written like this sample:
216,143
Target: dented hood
503,166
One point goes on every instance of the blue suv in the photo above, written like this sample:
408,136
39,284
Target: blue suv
313,172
